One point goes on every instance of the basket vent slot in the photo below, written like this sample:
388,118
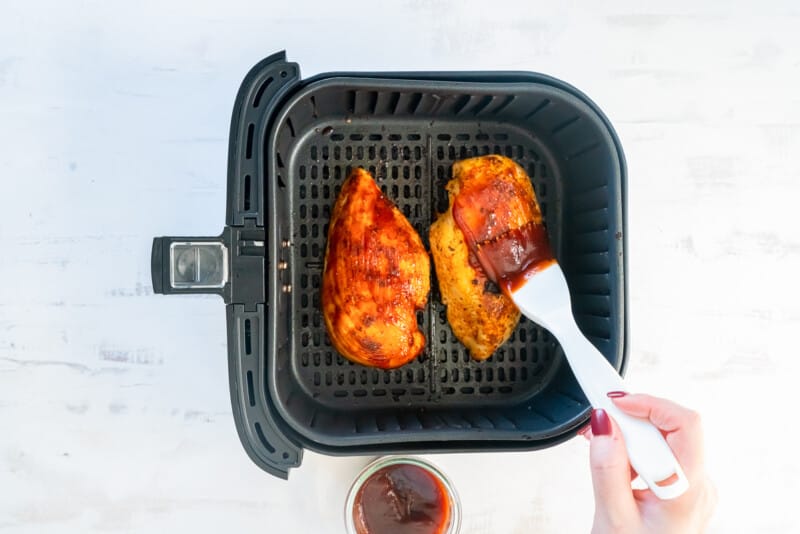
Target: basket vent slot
246,196
508,100
263,439
260,92
461,103
583,151
251,128
413,105
251,392
248,345
537,109
482,104
566,124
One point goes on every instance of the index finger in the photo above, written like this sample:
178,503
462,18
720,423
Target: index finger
682,426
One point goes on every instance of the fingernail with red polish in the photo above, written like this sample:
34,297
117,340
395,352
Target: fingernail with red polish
616,394
601,424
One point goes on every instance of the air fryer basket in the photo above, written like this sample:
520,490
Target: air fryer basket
292,145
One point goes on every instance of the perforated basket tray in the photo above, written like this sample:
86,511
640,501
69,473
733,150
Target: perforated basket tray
293,143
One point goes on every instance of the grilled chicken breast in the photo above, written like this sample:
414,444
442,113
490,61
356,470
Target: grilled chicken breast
376,277
481,317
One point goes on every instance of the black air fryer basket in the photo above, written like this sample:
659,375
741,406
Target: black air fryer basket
292,144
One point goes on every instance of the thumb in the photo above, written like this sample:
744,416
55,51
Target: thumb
611,472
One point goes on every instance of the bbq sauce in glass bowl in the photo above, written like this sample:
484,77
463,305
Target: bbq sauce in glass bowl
402,496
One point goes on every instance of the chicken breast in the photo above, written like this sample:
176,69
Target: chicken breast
481,317
376,276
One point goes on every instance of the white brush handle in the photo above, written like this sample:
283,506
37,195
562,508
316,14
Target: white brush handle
648,451
545,299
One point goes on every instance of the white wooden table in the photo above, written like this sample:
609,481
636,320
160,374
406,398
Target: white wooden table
114,407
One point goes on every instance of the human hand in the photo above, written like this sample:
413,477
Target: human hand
619,509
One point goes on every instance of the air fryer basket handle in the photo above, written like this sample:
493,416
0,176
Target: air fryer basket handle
232,266
236,266
259,429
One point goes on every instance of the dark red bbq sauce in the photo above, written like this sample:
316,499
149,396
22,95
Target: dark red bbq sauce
510,258
402,499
